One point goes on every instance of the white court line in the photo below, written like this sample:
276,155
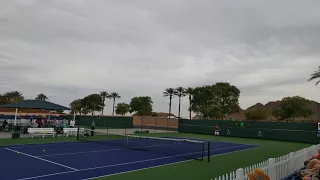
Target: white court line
152,167
166,157
106,150
18,146
41,159
134,162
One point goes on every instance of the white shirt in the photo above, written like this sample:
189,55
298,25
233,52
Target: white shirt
72,123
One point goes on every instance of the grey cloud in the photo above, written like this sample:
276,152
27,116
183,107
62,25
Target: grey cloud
68,49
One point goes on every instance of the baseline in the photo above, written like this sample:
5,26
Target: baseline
41,159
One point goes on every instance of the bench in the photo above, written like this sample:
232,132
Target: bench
41,132
72,131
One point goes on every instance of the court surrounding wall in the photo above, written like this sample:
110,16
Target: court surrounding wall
104,121
155,122
284,131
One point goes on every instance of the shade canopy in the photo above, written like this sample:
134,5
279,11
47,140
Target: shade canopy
35,104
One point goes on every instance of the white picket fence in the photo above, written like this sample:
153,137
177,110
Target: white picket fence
277,168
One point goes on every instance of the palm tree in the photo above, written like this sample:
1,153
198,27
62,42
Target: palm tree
315,75
76,106
13,96
189,91
42,97
104,95
169,92
114,96
180,92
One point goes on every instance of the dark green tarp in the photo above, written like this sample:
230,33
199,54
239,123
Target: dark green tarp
35,104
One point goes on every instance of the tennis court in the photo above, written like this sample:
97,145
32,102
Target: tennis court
104,155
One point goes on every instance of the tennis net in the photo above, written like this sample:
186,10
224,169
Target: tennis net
176,147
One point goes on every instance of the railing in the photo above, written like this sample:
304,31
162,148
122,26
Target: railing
277,168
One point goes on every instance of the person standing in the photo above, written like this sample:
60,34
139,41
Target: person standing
93,125
217,131
72,123
54,124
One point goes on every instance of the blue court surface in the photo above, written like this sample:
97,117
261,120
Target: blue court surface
86,160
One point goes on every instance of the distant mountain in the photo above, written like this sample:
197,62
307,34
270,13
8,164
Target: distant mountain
269,107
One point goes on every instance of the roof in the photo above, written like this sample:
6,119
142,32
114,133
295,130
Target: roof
35,104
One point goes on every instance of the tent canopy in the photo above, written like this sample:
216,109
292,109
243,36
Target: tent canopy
35,104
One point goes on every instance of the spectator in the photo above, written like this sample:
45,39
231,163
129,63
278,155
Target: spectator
258,174
54,124
45,122
64,125
49,124
311,171
5,123
72,123
39,122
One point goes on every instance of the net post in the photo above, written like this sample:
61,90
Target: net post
127,143
92,132
209,152
202,151
78,131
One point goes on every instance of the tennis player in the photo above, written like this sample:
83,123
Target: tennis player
216,130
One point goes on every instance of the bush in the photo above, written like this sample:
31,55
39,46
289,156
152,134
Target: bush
141,132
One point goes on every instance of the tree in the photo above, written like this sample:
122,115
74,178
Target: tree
85,111
114,96
256,114
60,111
141,105
227,97
221,97
315,75
189,92
104,95
292,107
122,108
213,112
76,106
169,92
42,97
92,103
180,92
3,100
13,96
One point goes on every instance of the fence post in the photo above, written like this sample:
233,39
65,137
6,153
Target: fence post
240,174
291,163
272,168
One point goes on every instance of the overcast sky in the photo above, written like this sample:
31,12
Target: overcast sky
68,49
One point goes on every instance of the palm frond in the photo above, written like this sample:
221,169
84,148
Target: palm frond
315,75
115,95
168,92
180,92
